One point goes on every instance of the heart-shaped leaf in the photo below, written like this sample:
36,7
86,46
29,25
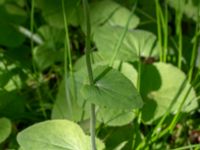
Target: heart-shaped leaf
115,117
163,88
108,12
55,135
135,44
52,11
112,89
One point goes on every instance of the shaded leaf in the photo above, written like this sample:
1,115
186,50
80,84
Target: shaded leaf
45,55
11,104
112,89
52,11
61,109
163,87
9,36
115,117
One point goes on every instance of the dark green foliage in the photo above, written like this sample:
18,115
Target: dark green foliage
145,74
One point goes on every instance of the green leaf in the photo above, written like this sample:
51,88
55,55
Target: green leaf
111,13
61,106
5,129
4,77
96,57
52,11
111,89
51,34
11,104
97,15
120,18
115,117
12,13
163,87
120,137
9,36
45,55
189,7
51,51
54,135
136,43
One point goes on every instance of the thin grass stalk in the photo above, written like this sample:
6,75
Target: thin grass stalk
195,46
117,46
165,33
33,63
179,34
196,146
159,32
89,70
67,63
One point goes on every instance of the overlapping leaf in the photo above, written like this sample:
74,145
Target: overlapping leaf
136,43
55,135
111,89
163,88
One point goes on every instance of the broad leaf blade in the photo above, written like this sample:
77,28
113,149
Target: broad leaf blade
5,129
135,44
112,89
163,88
115,117
55,135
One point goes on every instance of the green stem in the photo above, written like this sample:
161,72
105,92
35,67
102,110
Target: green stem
195,45
33,63
165,33
197,146
194,51
120,41
179,34
89,70
32,22
67,54
159,29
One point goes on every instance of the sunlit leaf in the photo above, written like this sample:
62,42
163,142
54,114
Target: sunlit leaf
5,129
136,43
55,135
164,87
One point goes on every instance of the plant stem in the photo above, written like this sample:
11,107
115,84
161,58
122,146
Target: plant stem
165,33
159,30
120,41
194,50
32,22
179,33
89,69
67,54
33,63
